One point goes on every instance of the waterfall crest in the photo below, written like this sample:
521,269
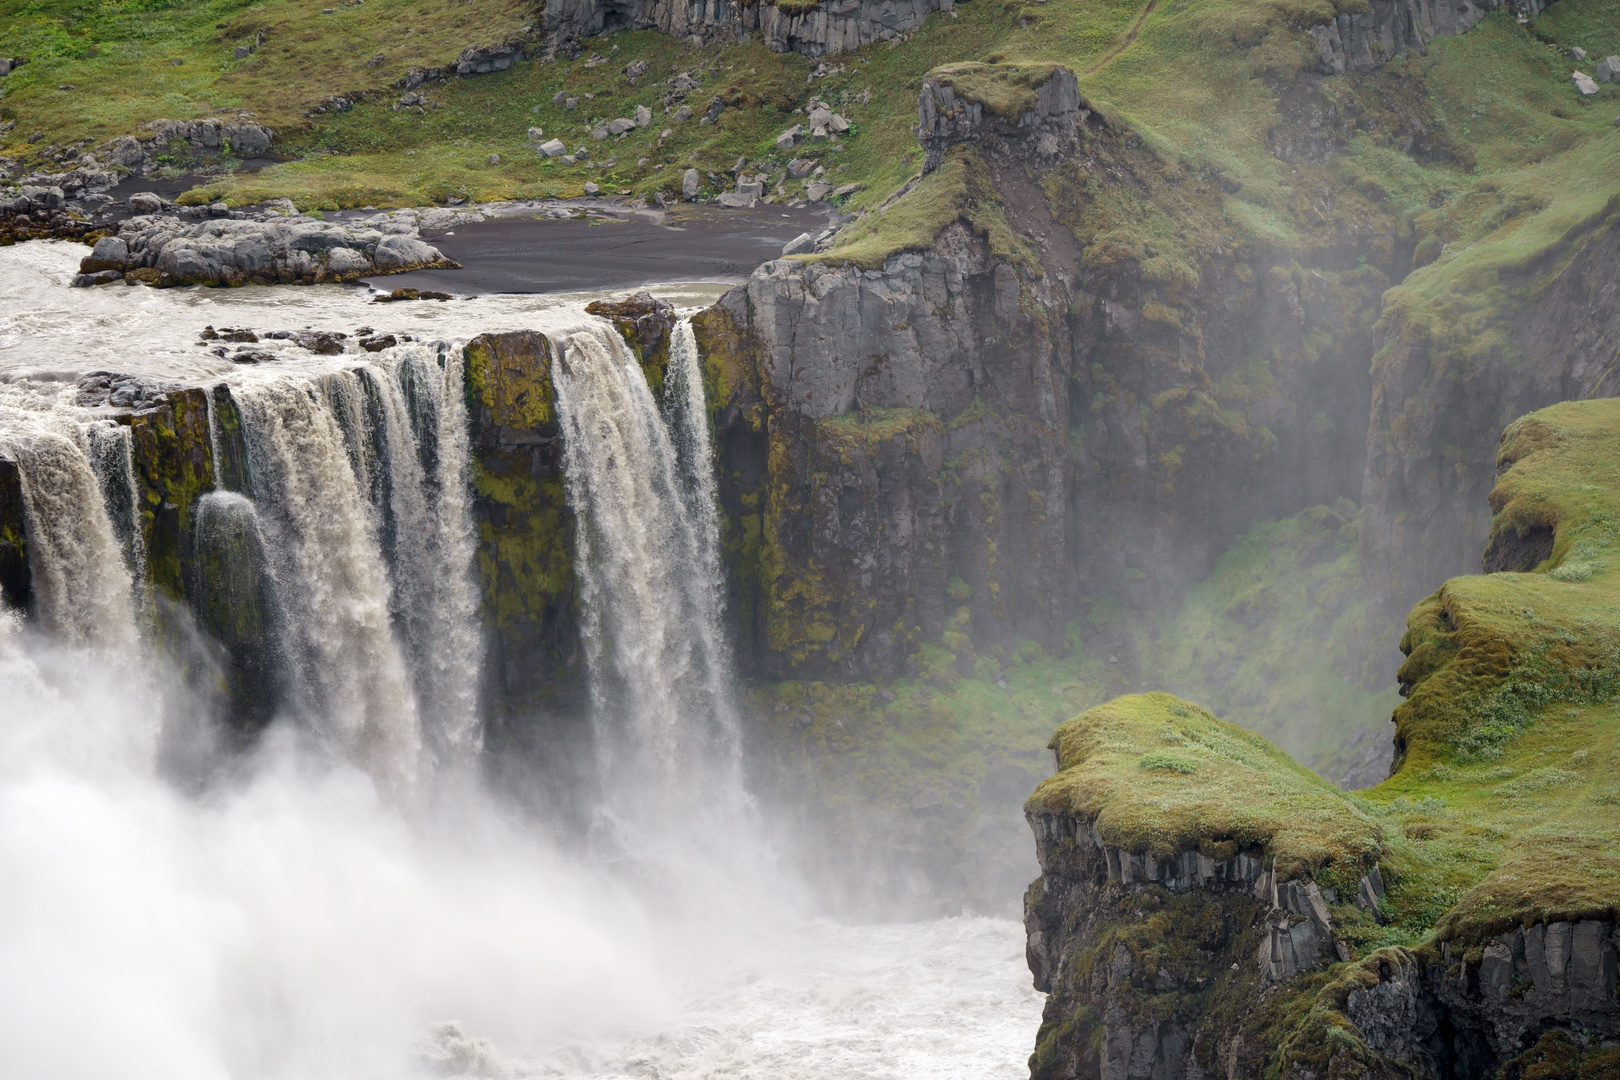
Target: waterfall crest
640,482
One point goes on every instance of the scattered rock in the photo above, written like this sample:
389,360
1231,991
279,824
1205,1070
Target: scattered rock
682,115
494,159
536,134
378,343
572,102
475,60
410,294
1584,83
635,70
716,107
559,97
591,188
1578,53
242,52
799,168
643,116
551,149
1608,69
847,189
785,141
145,202
817,191
620,126
690,182
8,64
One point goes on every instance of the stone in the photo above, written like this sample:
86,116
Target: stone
690,182
798,245
846,190
620,126
494,159
591,188
475,60
799,168
559,97
396,253
242,52
1608,69
572,102
785,140
600,132
346,262
753,189
635,70
101,277
682,115
218,209
552,148
8,65
643,116
1584,83
1578,53
716,107
536,134
837,124
110,253
817,191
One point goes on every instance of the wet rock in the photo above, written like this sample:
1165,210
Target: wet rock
110,253
321,342
378,343
643,321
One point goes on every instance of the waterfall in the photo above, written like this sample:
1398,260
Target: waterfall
640,482
82,585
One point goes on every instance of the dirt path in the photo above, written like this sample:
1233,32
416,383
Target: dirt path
1130,39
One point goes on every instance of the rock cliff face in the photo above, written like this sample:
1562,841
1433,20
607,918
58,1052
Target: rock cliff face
1013,420
812,29
1436,414
1366,40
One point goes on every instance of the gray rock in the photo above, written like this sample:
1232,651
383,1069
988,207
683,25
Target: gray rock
846,189
536,134
786,140
243,52
799,244
494,159
817,191
799,168
559,97
1608,68
8,65
551,149
110,249
100,277
476,60
218,209
1578,53
42,200
682,114
635,70
643,115
716,107
572,103
591,188
752,189
690,182
600,132
1366,42
145,202
1584,83
397,253
620,126
347,263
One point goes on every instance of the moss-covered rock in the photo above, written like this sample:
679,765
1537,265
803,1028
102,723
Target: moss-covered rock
173,462
15,583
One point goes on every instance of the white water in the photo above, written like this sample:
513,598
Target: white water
294,920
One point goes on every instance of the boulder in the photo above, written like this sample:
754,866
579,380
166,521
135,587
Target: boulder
110,253
690,182
847,189
799,245
786,140
643,116
635,70
1578,53
397,253
817,191
346,262
1584,83
599,132
554,148
145,202
1608,69
494,159
476,60
591,188
8,65
799,168
716,107
42,200
242,52
682,114
536,134
620,126
125,151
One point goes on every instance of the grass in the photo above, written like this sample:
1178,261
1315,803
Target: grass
1158,774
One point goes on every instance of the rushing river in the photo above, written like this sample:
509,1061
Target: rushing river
346,900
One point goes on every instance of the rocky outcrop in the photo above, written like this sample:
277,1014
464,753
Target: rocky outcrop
1367,40
979,439
166,251
1439,406
813,29
16,587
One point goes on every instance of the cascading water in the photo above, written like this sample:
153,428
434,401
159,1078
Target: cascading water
300,915
640,482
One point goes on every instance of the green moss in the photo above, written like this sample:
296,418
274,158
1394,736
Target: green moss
510,375
174,468
1006,89
1241,789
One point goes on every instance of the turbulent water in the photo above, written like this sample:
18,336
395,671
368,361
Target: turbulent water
345,899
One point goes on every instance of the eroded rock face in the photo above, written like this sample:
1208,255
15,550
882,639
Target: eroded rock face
1387,29
1191,965
168,251
836,27
966,441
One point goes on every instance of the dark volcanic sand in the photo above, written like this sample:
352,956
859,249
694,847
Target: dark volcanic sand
523,254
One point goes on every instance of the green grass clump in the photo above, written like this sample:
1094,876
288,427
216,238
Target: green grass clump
1158,774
